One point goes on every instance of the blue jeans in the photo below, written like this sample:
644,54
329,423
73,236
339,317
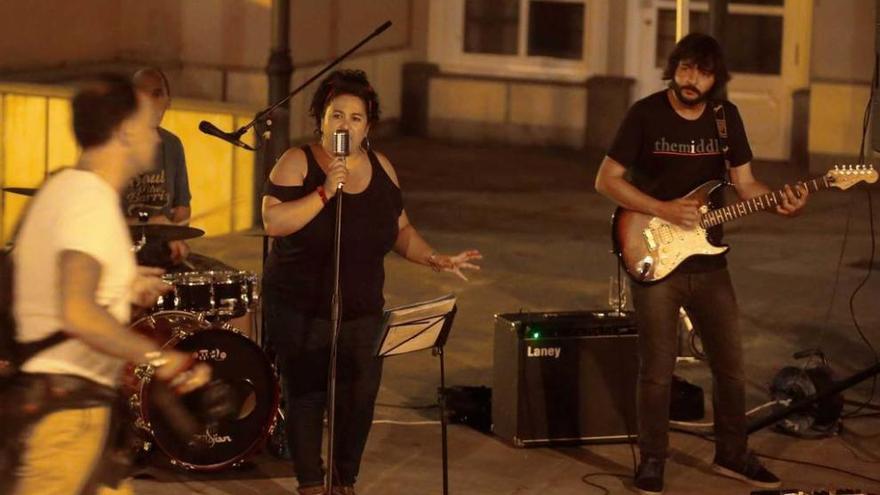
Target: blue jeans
302,347
711,303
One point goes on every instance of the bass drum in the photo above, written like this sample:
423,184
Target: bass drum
238,363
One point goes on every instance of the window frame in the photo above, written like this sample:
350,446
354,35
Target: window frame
702,6
446,45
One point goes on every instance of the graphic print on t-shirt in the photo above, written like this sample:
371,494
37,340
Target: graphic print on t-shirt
147,192
696,147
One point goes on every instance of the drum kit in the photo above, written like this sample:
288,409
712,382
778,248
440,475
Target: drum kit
195,317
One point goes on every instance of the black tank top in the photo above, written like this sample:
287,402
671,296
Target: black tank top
300,266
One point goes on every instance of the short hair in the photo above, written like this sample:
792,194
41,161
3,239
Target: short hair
344,82
706,53
152,71
100,106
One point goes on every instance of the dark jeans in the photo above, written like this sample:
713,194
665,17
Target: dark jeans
711,304
302,346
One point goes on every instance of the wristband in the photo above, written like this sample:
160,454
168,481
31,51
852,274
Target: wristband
322,194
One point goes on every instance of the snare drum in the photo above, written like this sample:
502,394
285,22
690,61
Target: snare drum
236,361
219,293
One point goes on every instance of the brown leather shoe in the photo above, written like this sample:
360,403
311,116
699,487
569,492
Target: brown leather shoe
312,490
343,490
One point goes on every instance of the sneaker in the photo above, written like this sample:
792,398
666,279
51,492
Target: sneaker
649,476
749,470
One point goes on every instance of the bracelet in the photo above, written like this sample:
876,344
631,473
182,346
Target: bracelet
322,194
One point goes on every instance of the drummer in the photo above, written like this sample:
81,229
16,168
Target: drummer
162,194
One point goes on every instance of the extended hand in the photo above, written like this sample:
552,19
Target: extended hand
454,264
793,200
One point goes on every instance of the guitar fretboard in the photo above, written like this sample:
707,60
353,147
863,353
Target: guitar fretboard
758,203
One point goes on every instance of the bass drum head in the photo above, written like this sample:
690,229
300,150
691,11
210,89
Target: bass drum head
242,365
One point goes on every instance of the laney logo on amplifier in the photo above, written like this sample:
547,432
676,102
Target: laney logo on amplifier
553,352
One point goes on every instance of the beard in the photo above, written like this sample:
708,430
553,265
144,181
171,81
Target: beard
679,93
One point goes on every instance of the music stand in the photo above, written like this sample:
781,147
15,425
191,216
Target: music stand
416,327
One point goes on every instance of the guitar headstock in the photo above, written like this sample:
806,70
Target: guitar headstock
846,176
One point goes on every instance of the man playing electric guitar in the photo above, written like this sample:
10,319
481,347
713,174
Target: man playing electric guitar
668,145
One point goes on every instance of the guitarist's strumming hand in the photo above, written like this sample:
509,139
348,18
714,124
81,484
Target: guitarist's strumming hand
682,212
793,200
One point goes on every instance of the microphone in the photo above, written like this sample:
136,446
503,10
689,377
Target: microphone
341,143
230,137
341,146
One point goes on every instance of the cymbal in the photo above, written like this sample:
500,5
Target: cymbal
24,191
164,232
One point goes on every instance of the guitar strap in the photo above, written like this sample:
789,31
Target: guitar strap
721,126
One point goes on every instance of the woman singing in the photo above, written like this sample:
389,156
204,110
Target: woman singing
299,212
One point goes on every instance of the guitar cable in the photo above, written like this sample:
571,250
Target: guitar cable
866,120
865,123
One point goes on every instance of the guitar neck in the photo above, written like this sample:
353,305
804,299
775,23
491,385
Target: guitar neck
757,204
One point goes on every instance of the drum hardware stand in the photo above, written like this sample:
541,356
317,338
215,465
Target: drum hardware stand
804,403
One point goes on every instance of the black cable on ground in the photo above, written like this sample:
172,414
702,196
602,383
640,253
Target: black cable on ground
817,465
605,491
791,461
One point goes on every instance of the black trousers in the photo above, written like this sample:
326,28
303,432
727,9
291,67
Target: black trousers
710,301
302,348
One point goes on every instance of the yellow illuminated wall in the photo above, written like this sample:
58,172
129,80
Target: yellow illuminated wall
836,117
36,138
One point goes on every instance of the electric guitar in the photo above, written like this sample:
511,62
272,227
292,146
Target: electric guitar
651,248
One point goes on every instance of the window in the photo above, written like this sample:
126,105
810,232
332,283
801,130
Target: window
558,40
556,29
752,38
553,28
491,26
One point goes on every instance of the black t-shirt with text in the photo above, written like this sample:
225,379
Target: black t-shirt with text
668,156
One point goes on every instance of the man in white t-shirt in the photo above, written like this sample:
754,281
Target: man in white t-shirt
75,273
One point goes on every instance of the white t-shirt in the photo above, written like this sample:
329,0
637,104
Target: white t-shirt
75,210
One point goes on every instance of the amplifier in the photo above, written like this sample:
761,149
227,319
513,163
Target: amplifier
567,377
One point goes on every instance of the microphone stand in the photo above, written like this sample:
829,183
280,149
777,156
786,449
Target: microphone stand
264,115
335,325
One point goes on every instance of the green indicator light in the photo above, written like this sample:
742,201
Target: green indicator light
536,335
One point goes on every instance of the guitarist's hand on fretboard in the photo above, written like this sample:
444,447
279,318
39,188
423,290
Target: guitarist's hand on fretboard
682,212
793,200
